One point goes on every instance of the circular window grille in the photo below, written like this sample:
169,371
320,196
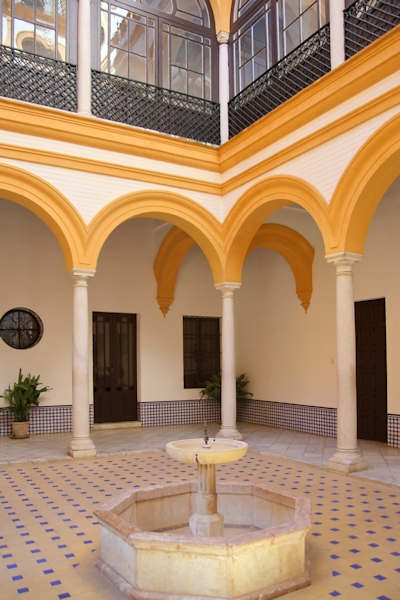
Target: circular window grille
21,328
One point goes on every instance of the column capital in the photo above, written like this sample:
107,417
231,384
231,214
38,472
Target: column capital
227,288
223,37
81,273
344,258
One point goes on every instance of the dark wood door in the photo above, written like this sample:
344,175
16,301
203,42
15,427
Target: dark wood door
370,318
114,367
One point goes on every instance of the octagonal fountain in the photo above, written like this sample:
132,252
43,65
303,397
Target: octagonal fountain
169,542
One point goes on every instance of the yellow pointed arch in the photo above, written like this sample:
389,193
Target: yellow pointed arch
257,204
189,216
362,186
295,249
222,14
45,201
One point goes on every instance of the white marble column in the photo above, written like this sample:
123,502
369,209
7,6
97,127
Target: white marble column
336,18
84,58
81,445
223,38
348,457
228,367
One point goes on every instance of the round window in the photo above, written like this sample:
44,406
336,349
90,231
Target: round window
21,328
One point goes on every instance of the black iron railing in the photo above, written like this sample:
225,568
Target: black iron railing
367,20
31,78
142,105
296,71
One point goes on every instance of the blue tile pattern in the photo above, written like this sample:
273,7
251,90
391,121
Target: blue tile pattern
45,419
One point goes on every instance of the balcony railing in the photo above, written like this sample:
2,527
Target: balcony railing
367,20
143,105
304,65
36,79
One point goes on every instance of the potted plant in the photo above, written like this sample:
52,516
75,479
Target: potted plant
212,388
21,397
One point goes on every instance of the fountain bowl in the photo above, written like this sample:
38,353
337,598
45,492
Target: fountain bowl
216,451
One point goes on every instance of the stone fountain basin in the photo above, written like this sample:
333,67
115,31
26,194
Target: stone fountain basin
262,554
218,451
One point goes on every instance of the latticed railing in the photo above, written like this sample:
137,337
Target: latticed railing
304,65
142,105
367,20
31,78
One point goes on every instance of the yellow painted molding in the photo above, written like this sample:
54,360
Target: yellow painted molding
362,186
169,258
295,249
369,66
259,203
189,216
51,207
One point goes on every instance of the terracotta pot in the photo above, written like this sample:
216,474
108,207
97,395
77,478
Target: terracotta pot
20,429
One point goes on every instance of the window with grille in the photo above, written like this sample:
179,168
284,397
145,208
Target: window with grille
201,350
264,31
160,42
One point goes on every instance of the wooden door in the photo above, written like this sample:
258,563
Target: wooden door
370,316
114,367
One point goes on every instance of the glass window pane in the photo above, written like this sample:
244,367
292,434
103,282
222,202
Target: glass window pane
137,67
119,63
304,4
45,42
137,38
207,73
163,5
119,32
46,12
151,57
6,25
178,51
195,84
260,64
104,41
309,22
246,75
23,35
246,50
165,60
291,11
195,57
292,36
323,13
259,35
178,80
24,10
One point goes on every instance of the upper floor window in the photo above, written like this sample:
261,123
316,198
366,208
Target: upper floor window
167,43
264,31
37,26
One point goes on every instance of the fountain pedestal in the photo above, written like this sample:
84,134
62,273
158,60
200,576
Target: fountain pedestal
206,520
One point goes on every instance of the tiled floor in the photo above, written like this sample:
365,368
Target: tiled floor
49,539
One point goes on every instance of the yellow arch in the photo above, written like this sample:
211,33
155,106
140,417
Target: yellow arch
295,249
51,207
222,14
192,218
171,253
360,189
257,204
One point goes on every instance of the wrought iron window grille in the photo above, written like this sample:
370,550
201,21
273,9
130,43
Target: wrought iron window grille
37,79
367,20
296,71
143,105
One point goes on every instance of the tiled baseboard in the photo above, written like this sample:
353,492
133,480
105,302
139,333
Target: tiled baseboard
308,419
179,412
45,419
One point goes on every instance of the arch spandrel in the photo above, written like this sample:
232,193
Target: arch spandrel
260,202
222,14
46,202
362,186
189,216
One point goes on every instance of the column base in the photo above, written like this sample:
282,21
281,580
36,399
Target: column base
347,462
81,448
229,432
209,525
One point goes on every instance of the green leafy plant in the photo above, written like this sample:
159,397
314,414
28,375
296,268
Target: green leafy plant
22,396
212,387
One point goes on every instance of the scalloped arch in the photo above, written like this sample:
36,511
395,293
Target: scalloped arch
192,218
362,186
51,207
257,204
